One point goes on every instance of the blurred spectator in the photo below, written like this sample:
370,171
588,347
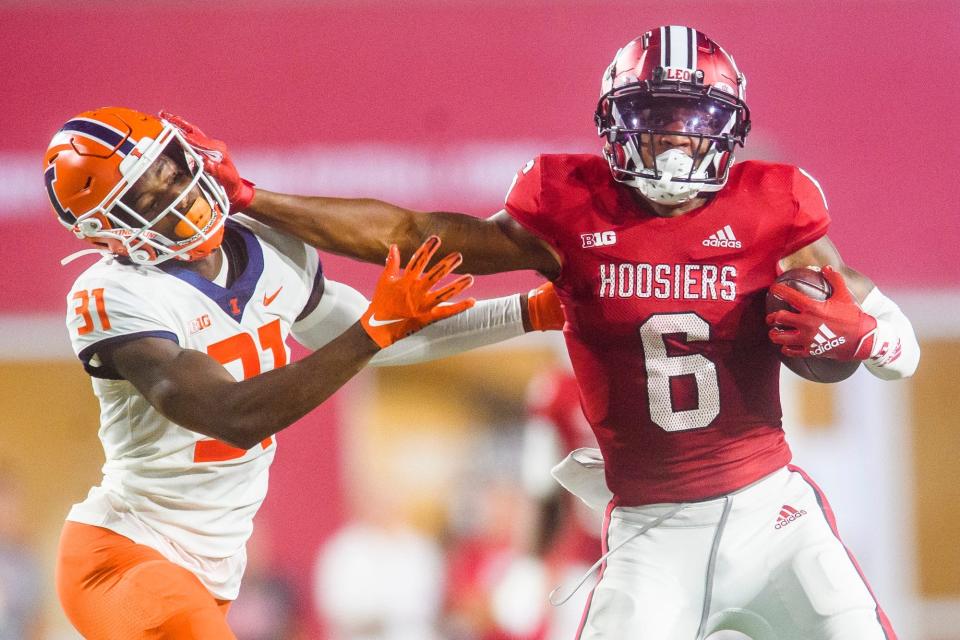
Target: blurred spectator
568,531
377,578
496,586
20,574
267,607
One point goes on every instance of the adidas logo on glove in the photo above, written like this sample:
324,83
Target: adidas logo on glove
824,341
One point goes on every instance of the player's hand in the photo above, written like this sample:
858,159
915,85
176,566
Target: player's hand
834,328
405,302
216,161
543,309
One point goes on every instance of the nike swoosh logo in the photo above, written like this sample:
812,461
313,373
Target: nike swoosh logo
268,299
379,323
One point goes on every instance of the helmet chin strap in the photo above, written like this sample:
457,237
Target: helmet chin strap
670,163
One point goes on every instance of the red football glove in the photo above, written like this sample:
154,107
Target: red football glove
403,303
834,328
543,308
216,161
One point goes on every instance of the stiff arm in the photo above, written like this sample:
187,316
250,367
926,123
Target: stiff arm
364,229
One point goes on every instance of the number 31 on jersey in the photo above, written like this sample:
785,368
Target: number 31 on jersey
82,309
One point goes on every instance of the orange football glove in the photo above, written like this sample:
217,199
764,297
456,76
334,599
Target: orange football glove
216,161
403,303
543,308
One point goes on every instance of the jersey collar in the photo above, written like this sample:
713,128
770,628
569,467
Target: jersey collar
233,299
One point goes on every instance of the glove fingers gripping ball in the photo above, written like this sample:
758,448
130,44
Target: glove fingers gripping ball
813,284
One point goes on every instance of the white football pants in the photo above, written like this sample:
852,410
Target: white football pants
765,561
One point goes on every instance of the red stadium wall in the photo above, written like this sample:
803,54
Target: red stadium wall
859,94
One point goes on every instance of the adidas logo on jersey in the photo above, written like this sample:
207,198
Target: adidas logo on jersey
824,341
723,238
787,515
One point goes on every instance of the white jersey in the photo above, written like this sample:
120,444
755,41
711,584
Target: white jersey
191,497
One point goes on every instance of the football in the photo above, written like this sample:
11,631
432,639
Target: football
811,283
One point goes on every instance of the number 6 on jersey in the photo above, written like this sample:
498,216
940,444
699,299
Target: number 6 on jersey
661,367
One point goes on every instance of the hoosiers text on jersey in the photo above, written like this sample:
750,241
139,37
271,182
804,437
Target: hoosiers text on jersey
668,281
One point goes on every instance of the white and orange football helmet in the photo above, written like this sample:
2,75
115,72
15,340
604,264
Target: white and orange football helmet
672,83
94,160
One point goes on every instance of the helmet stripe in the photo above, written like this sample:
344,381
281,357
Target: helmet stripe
103,134
49,177
678,47
664,47
692,48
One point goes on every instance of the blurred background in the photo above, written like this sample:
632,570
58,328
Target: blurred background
417,503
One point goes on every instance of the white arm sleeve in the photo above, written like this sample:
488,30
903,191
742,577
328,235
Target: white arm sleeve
895,352
487,322
339,308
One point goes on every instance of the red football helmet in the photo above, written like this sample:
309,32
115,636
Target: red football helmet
94,160
669,89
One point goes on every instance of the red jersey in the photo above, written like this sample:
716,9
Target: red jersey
665,319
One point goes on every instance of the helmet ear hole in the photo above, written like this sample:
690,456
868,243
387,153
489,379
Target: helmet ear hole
615,150
90,226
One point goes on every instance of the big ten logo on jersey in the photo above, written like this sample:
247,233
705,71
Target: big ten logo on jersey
199,324
599,239
668,281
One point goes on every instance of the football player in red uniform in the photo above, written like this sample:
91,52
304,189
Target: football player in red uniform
661,252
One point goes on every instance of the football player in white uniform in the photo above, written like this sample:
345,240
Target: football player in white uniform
182,325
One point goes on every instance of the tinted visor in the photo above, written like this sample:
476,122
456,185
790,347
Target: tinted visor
701,116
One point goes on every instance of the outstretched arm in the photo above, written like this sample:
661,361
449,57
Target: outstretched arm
487,322
363,228
194,390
